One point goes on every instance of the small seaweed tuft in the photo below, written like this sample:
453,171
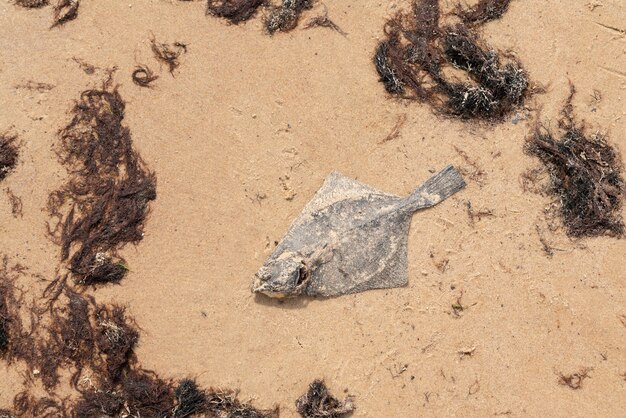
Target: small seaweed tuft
317,402
285,17
235,11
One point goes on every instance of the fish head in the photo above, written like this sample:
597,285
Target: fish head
286,276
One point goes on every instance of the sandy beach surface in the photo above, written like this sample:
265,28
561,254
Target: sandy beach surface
240,139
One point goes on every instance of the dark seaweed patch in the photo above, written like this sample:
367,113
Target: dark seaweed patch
26,405
98,402
143,76
16,342
189,399
235,11
222,403
64,11
285,17
116,338
106,198
168,53
317,402
586,176
146,394
484,11
411,61
10,323
8,154
71,340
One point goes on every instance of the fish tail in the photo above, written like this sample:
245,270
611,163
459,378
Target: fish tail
436,189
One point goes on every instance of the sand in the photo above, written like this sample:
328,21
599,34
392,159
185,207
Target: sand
240,139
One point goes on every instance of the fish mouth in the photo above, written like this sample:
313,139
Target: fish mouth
260,286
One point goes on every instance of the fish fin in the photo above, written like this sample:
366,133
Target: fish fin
338,187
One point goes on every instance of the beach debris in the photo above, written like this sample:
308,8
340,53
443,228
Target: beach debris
585,175
71,341
35,86
395,131
10,321
32,4
235,11
146,394
168,54
224,403
8,154
189,399
64,11
104,204
17,207
413,57
116,336
317,402
323,21
482,12
574,380
143,76
285,17
87,68
349,238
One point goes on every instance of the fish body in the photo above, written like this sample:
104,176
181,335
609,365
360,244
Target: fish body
349,238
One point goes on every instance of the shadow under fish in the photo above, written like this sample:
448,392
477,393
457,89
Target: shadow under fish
349,238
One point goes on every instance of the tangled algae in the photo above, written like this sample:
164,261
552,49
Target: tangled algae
586,175
414,58
8,154
104,204
235,11
285,17
317,402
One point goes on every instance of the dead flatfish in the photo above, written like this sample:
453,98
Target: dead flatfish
349,238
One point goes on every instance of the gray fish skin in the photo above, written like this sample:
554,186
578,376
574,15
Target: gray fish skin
349,238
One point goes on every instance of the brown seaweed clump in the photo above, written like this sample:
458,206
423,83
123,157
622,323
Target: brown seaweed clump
586,176
70,342
26,405
106,198
412,61
116,337
147,395
235,11
64,11
483,12
319,403
16,334
32,4
168,54
285,17
221,403
143,76
8,154
10,322
190,399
